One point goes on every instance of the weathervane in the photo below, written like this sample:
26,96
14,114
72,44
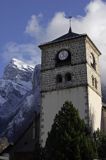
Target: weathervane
70,17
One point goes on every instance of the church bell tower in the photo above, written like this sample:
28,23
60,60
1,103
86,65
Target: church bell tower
70,72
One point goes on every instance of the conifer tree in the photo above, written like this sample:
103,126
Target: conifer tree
69,138
100,139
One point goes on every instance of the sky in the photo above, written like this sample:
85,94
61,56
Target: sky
24,24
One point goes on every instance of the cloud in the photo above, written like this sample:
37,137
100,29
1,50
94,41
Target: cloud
59,25
25,52
33,27
94,24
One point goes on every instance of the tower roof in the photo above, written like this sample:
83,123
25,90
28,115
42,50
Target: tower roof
68,36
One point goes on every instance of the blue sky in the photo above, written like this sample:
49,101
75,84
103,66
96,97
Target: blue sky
14,15
26,23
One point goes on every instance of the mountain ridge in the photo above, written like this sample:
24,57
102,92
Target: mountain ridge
18,101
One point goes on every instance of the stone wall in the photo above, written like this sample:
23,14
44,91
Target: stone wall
77,66
78,73
75,46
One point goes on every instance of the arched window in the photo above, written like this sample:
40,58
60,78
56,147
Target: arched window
59,78
92,61
68,77
96,83
93,80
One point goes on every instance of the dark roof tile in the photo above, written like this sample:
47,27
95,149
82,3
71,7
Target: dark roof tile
68,36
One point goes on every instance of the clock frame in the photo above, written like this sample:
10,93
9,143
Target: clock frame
63,57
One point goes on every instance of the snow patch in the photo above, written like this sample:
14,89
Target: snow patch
29,100
21,65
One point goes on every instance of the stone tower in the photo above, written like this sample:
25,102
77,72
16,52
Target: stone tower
70,72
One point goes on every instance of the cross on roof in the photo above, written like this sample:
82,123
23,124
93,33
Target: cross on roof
70,17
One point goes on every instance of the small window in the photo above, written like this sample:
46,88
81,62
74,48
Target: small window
59,78
96,83
93,81
93,62
68,77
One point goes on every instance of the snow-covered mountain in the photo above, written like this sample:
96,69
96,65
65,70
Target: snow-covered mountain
18,101
19,72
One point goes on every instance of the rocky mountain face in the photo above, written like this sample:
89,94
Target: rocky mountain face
18,101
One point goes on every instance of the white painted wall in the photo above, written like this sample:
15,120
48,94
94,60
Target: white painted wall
52,103
95,108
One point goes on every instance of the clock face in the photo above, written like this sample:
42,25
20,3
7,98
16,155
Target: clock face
63,55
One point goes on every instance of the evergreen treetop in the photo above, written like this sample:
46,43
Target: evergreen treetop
69,138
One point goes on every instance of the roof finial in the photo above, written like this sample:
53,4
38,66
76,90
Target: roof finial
70,30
